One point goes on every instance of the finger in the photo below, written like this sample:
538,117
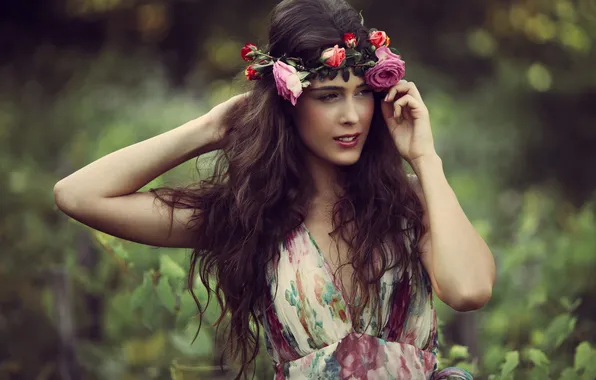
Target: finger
413,90
407,101
394,90
403,87
397,110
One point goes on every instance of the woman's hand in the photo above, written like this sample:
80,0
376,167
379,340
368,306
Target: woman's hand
408,121
217,127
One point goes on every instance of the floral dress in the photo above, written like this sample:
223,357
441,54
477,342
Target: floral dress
308,328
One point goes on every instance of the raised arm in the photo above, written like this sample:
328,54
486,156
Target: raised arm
104,194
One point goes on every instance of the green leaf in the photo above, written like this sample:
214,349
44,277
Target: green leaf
302,75
568,374
203,345
458,352
585,359
142,294
511,363
170,268
537,357
120,252
165,294
188,307
323,74
560,329
152,314
569,305
345,73
394,51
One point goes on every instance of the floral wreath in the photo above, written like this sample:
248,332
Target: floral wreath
381,65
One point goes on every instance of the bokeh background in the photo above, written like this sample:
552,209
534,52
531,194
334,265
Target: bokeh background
511,87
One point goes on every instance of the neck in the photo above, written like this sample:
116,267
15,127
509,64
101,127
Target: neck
326,185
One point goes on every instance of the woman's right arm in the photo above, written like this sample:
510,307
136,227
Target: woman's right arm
104,194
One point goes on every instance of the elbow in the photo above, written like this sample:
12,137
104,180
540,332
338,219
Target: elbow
471,299
63,198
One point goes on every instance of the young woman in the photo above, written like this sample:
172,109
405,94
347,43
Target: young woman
310,226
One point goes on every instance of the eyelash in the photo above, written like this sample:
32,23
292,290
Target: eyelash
332,96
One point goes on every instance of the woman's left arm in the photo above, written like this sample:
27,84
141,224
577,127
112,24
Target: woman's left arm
459,262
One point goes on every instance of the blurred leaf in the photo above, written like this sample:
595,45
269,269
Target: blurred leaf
585,360
569,305
165,294
537,357
458,352
140,296
170,268
188,307
120,251
568,374
145,351
510,364
202,346
152,313
559,330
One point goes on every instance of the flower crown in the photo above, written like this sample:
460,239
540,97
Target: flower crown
381,65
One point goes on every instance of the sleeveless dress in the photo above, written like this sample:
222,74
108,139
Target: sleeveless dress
308,329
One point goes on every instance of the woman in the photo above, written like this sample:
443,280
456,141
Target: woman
310,226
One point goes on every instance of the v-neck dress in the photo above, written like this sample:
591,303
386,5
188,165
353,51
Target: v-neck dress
309,333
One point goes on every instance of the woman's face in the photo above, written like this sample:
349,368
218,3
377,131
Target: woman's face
333,118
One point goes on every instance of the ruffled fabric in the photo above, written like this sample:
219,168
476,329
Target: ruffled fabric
309,330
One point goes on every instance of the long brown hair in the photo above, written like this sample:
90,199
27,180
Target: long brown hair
259,192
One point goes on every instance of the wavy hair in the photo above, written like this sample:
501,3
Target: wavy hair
259,192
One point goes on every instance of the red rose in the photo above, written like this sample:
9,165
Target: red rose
350,40
377,38
333,57
248,52
252,74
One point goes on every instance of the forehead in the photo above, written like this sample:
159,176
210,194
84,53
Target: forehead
338,81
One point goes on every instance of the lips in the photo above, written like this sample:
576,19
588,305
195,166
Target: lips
347,138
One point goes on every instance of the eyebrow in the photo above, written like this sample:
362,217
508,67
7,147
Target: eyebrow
337,88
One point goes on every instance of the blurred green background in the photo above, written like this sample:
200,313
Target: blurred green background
511,87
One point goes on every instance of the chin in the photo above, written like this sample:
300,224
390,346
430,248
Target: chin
345,159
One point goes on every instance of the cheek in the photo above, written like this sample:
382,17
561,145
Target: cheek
314,120
367,111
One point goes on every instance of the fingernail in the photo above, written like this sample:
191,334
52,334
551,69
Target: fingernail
386,96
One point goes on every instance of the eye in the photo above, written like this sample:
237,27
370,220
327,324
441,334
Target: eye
328,97
365,92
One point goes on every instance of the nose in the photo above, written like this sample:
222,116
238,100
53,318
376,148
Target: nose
349,112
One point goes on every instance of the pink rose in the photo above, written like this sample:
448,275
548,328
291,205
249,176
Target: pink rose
389,70
333,57
377,38
358,354
287,81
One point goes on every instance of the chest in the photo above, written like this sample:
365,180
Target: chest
336,254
